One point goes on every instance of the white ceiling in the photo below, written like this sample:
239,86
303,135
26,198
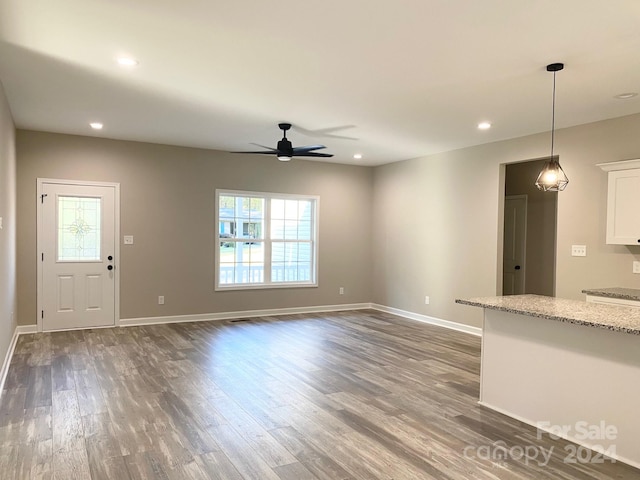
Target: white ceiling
405,78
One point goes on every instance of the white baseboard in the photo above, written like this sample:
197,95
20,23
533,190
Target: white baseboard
204,317
207,317
20,330
460,327
25,329
7,360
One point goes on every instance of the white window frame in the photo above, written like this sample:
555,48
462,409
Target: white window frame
267,196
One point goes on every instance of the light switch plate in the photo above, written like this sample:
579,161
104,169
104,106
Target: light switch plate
128,239
636,267
578,250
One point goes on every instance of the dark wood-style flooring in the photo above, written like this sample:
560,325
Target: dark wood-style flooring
350,395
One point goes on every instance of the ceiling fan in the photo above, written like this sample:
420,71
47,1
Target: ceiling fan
285,151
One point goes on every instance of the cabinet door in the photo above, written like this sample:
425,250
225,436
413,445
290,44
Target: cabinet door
623,207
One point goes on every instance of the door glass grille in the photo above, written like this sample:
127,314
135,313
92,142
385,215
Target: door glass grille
79,229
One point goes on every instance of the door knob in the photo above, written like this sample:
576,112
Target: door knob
517,267
110,267
110,258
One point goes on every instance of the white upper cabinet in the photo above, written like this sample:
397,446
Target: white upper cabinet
623,202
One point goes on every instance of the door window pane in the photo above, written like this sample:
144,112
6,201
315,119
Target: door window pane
79,231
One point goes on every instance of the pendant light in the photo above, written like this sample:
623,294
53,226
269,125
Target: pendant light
552,178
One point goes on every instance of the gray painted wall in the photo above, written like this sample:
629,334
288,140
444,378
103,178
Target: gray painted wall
438,220
8,297
390,234
167,203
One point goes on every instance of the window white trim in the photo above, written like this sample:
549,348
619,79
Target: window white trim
267,241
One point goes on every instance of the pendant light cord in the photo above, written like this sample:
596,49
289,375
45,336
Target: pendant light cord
553,116
552,178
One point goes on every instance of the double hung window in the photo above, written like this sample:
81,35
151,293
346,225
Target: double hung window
265,240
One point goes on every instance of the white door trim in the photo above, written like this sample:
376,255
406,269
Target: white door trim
39,236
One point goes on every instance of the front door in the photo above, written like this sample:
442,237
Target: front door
76,243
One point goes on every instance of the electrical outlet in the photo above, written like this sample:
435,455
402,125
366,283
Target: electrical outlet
341,291
161,300
578,250
426,300
636,267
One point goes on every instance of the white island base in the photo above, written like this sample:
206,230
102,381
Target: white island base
578,382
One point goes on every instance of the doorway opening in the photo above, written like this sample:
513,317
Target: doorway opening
529,234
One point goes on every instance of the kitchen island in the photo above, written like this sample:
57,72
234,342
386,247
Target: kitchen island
568,367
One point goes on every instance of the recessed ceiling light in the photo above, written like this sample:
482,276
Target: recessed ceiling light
96,125
484,125
357,156
127,62
624,96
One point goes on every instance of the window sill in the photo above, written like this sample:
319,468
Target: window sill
220,288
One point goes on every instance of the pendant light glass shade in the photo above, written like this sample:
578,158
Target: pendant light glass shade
552,178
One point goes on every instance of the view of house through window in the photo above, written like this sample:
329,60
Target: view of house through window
265,239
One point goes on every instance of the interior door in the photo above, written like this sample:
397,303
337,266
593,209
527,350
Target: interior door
77,240
515,234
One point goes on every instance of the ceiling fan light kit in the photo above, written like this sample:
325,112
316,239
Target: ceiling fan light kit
285,151
552,178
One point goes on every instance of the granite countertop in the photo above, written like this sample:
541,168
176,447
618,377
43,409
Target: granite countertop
617,292
618,318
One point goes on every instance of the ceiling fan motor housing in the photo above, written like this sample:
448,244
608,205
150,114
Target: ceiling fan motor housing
284,146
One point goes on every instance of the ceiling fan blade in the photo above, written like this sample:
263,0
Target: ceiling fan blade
313,154
264,146
326,132
308,148
270,152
